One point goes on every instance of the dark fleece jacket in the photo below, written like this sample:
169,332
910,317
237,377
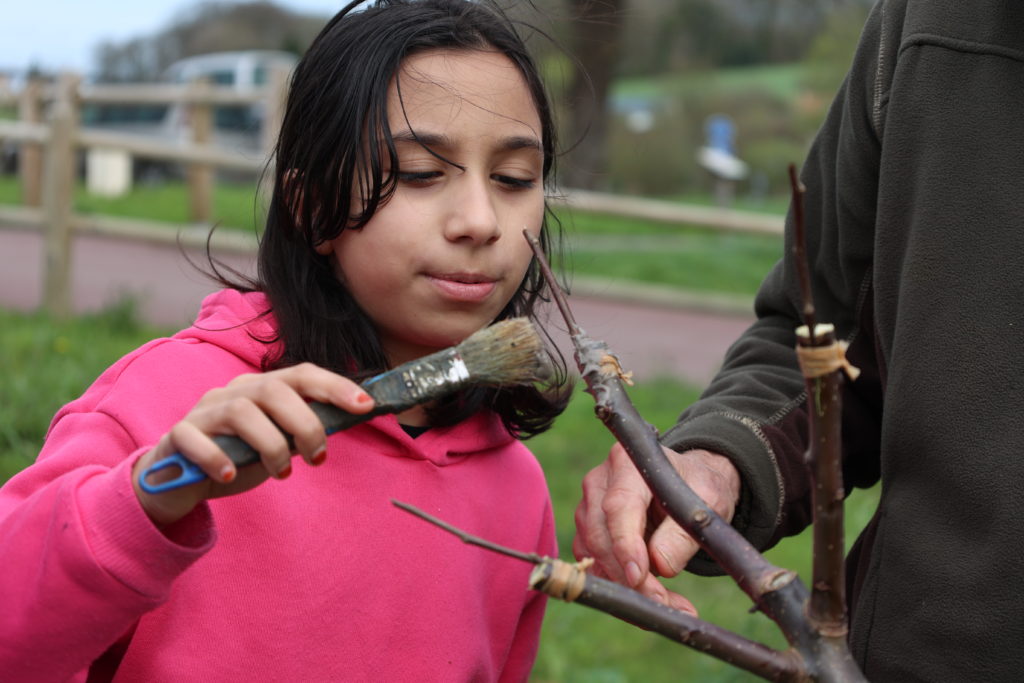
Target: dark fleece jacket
915,214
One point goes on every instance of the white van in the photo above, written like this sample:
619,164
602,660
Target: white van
235,127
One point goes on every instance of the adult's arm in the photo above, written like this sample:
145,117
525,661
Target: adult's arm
753,412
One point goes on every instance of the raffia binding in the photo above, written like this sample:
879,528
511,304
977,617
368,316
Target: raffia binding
818,361
565,581
610,366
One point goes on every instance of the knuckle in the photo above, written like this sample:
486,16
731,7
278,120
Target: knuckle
178,432
237,409
213,397
306,372
269,388
240,380
617,501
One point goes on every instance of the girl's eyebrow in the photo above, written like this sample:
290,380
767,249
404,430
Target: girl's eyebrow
436,140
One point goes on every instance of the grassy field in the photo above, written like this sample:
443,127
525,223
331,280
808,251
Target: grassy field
234,205
55,361
783,81
47,363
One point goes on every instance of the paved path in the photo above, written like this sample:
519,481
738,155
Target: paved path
650,339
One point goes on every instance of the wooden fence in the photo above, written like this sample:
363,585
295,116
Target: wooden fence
49,134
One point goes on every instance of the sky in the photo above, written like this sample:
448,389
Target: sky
57,34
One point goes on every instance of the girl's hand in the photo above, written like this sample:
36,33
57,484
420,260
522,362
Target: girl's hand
248,407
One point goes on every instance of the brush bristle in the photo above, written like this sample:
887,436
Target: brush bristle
507,352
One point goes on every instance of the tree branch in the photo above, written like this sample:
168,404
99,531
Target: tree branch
822,360
777,592
571,583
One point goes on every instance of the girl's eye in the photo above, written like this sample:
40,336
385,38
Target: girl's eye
418,177
515,183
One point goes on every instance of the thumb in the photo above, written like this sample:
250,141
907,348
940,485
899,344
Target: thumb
671,548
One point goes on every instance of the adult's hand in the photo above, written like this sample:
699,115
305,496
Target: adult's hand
630,538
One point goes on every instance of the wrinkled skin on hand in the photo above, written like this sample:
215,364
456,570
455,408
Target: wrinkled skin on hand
628,534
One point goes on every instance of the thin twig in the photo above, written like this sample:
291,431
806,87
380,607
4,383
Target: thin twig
532,558
549,277
827,608
626,603
800,251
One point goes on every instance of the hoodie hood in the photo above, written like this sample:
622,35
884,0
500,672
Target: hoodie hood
238,322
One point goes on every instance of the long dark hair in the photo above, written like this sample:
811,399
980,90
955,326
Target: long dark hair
337,102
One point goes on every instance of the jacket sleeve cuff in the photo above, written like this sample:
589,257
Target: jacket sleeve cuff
740,440
126,542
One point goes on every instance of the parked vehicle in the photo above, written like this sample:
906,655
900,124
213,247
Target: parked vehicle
235,127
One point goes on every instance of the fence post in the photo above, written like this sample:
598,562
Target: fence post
277,92
200,176
30,156
58,194
273,117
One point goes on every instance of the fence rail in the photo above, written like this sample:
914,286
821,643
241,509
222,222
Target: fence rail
48,135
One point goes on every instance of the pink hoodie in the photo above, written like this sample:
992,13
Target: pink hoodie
317,578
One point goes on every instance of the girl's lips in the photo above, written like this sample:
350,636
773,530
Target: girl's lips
463,288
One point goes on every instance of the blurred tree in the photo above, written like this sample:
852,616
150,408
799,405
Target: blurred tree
207,27
648,38
595,42
831,53
666,35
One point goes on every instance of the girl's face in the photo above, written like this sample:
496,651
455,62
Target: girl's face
444,256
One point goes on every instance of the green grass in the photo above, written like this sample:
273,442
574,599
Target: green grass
682,256
783,81
772,204
234,204
49,363
10,190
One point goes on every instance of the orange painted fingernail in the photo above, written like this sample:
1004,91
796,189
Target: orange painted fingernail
363,397
227,474
319,457
285,472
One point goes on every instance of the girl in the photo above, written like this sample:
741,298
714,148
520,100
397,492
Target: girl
415,148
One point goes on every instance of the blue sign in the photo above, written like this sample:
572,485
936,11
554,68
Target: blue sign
721,133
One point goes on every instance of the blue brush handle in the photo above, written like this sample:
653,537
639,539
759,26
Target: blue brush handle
396,390
190,474
242,454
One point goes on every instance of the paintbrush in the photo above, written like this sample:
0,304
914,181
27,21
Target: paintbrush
507,353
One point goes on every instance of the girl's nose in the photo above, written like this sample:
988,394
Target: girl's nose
473,217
